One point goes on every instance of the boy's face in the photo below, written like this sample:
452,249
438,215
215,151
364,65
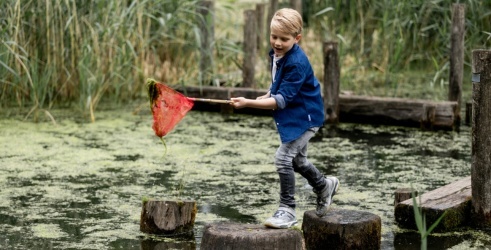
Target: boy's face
282,42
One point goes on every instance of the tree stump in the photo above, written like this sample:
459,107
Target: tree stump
247,236
342,229
402,194
168,217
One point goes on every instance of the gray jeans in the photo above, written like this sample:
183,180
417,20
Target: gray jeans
292,157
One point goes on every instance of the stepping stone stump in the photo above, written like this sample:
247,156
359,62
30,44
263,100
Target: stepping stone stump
246,236
168,217
342,229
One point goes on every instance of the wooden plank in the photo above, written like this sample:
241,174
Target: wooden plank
454,198
352,108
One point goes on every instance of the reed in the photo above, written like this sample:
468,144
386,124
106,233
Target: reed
79,53
384,40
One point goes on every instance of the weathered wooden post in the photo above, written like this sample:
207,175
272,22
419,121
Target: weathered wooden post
457,56
250,47
402,194
260,11
168,217
481,138
296,5
273,7
206,26
331,82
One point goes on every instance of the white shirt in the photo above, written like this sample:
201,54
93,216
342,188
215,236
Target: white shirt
273,70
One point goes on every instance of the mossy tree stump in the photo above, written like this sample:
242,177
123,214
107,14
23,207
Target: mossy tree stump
168,217
247,236
342,229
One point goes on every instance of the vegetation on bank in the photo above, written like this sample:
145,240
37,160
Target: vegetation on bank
78,53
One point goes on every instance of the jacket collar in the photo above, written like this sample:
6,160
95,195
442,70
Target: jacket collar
279,62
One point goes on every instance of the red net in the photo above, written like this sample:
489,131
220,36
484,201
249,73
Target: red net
168,107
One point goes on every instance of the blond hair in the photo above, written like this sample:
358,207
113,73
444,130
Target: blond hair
287,21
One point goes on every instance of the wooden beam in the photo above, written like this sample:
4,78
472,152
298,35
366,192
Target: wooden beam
353,108
398,111
454,198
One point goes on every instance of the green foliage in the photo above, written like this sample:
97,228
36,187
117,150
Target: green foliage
83,51
382,39
420,220
398,34
78,53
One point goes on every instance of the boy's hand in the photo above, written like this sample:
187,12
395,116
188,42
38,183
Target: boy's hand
238,102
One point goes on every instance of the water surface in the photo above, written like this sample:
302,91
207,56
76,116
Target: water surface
78,185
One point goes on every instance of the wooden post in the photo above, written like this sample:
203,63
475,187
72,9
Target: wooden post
250,39
273,7
296,5
260,11
457,55
206,26
481,138
331,82
402,194
168,217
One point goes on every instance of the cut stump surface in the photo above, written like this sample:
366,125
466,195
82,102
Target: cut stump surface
342,229
246,236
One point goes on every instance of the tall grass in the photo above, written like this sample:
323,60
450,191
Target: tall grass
76,53
379,40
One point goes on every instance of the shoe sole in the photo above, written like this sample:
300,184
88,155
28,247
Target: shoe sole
283,226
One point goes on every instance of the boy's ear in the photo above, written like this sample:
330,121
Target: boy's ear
298,37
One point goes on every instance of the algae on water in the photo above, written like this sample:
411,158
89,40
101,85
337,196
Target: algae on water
71,186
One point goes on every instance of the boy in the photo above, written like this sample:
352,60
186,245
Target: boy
298,111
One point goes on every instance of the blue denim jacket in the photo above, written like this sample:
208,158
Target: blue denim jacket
298,95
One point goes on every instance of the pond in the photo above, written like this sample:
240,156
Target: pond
78,185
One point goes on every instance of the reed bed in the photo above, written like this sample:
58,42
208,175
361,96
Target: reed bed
387,44
75,54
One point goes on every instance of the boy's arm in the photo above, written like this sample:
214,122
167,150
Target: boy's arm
264,96
265,103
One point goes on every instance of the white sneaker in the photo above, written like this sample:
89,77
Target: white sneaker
284,217
324,198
